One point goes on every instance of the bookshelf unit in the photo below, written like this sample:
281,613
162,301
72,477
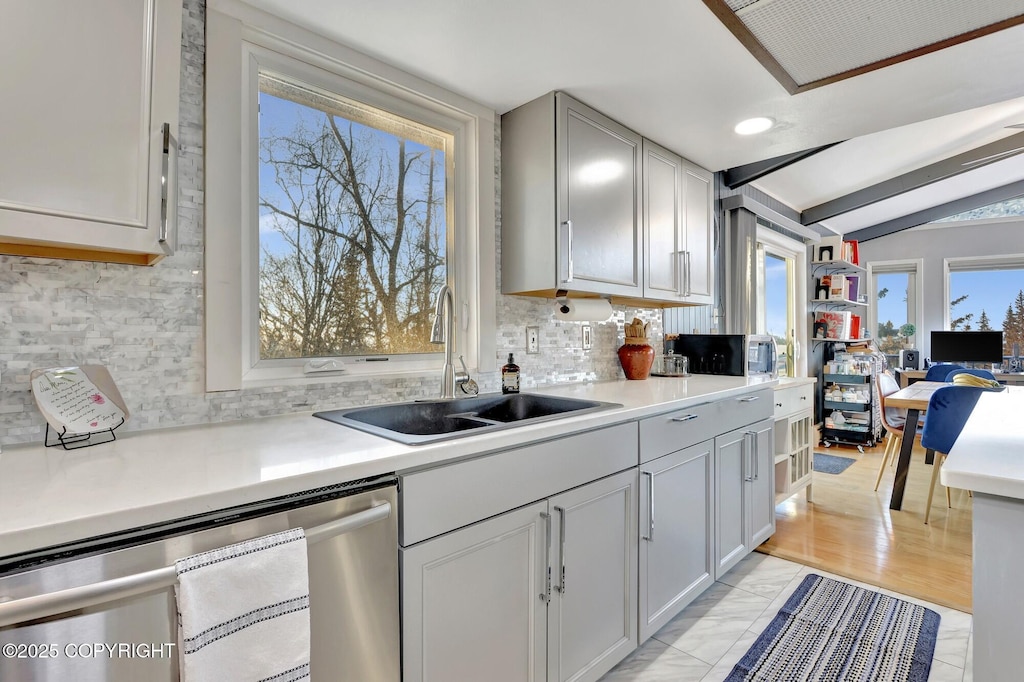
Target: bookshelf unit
853,430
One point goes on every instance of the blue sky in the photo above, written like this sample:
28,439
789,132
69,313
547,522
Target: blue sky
991,291
775,295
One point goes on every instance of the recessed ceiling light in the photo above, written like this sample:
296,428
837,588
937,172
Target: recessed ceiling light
752,126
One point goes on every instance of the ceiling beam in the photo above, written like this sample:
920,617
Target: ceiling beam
737,176
947,168
991,196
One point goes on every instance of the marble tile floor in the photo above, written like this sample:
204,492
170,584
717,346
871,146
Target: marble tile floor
704,642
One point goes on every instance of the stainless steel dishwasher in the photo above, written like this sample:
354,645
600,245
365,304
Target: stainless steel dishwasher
104,610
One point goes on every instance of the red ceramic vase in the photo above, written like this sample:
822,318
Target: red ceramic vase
636,360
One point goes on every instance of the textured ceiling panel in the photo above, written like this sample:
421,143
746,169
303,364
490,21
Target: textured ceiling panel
814,40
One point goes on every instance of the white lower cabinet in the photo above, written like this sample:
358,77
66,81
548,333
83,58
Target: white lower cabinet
592,613
745,485
676,533
546,591
474,601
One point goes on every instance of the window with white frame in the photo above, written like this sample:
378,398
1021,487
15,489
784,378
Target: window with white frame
896,311
350,213
986,294
354,211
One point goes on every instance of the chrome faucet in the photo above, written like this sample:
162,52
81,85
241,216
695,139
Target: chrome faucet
444,320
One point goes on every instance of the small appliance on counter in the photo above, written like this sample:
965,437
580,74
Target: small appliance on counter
671,365
727,354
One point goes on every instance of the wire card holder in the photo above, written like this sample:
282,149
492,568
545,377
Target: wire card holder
81,405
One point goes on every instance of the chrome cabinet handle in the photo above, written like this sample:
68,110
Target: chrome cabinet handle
748,398
680,273
561,550
747,466
168,170
689,290
545,596
650,505
755,465
684,418
568,251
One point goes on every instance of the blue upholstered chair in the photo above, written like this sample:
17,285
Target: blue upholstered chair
939,371
983,373
948,410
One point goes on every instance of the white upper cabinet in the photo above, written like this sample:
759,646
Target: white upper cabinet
589,206
88,128
699,234
570,201
678,229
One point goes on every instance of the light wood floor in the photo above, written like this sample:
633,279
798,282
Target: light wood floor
849,530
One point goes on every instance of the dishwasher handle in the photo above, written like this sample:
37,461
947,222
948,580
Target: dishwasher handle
71,599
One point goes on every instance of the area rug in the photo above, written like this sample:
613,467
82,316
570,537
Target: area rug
830,631
831,464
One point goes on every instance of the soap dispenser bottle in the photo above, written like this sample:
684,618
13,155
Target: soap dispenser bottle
510,376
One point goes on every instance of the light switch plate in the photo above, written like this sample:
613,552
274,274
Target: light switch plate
586,336
532,340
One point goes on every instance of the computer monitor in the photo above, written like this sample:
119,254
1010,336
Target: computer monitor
967,346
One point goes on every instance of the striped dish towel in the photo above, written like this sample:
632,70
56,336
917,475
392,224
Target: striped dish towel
243,611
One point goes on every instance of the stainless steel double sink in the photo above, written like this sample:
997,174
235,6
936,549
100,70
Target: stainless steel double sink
427,421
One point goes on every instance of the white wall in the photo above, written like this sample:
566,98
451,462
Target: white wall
933,244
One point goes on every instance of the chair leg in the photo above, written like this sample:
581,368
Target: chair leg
931,489
889,439
897,443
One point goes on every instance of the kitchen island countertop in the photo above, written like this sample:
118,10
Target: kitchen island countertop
50,496
988,455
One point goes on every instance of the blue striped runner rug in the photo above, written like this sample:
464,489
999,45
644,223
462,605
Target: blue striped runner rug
830,631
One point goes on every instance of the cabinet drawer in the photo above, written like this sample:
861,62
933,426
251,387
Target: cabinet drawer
439,500
793,399
744,409
676,430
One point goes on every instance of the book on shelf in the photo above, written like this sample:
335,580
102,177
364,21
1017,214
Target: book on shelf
851,252
838,289
852,287
832,324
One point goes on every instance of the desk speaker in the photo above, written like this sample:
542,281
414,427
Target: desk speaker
910,359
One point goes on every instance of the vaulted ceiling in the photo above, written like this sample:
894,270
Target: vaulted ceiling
675,71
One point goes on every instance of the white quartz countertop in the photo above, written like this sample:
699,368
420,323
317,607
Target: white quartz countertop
988,456
50,496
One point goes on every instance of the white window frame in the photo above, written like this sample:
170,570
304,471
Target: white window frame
239,40
915,265
780,245
967,263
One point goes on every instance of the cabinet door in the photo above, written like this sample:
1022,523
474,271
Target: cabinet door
592,618
82,127
676,533
761,487
473,601
599,239
732,469
663,223
698,195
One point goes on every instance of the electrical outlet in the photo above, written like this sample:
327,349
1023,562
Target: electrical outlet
533,340
586,342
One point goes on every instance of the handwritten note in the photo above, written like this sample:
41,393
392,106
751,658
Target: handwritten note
68,397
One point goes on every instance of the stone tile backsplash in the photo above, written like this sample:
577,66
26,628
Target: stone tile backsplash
146,323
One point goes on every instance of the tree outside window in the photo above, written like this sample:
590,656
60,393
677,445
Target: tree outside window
354,226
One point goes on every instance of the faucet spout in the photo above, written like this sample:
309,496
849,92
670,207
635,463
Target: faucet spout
444,319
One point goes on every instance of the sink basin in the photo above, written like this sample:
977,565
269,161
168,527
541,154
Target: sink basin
427,421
